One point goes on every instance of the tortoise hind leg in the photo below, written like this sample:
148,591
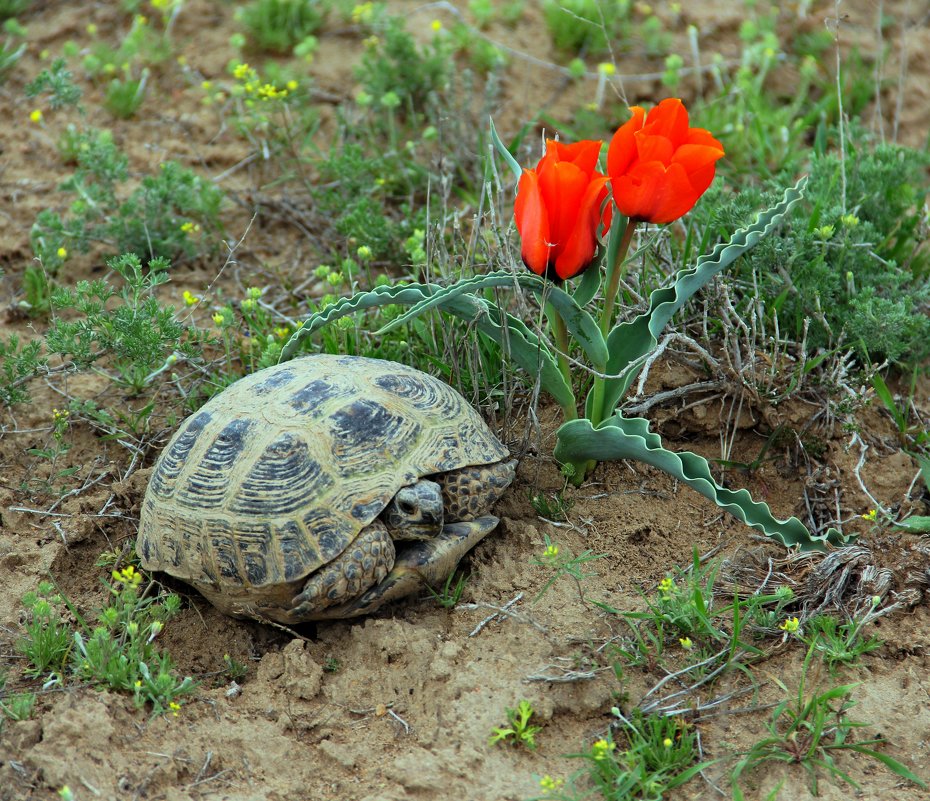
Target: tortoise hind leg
424,562
364,563
470,492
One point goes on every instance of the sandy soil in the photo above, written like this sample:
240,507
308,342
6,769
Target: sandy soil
400,705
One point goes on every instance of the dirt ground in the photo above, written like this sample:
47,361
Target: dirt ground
400,705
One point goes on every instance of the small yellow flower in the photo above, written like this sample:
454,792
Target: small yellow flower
791,625
606,68
174,707
666,586
549,784
667,742
551,552
66,793
60,414
218,319
364,252
292,85
254,292
363,12
247,305
849,220
436,25
62,253
871,515
190,227
141,19
601,749
91,29
182,61
36,116
282,333
127,576
241,71
190,299
206,85
686,643
825,231
138,684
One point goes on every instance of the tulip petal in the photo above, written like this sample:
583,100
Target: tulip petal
699,163
699,136
583,154
562,186
622,150
635,194
577,251
532,222
654,148
675,195
668,119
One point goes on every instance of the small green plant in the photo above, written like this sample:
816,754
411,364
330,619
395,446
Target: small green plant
518,730
47,641
811,730
331,665
562,564
10,51
119,651
552,506
451,592
394,64
841,643
235,670
58,83
17,706
588,25
278,25
18,364
138,335
649,756
125,95
168,215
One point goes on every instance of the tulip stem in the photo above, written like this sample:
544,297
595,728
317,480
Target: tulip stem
560,332
615,270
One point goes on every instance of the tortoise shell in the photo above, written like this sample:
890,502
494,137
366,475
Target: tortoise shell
275,476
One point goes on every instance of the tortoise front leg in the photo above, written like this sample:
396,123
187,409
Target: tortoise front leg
364,563
424,562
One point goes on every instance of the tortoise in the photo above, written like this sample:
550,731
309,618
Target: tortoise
322,488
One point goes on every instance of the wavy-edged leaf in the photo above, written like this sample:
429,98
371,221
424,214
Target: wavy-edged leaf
630,342
580,324
622,438
524,347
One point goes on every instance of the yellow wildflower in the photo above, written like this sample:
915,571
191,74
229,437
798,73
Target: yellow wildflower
36,116
218,319
62,253
791,625
686,643
871,515
174,707
667,742
436,25
241,71
606,68
601,749
549,784
666,586
292,85
190,299
551,552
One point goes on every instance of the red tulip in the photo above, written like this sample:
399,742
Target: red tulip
658,166
558,209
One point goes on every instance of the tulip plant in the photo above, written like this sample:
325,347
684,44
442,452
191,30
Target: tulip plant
577,223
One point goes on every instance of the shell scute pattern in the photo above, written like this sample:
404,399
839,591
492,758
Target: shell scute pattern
206,484
313,397
281,479
276,476
274,382
175,456
366,431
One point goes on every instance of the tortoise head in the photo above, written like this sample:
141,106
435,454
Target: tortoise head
415,512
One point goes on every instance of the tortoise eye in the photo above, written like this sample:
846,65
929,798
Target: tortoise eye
406,507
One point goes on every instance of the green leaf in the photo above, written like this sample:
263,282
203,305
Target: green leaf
588,285
915,523
505,153
580,324
621,438
523,346
629,343
892,764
